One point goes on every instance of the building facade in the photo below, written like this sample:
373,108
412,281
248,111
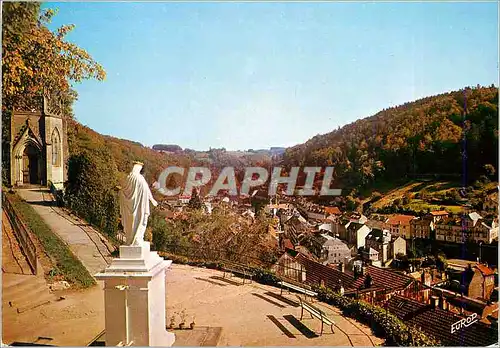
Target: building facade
469,228
356,234
339,228
386,245
399,225
397,245
38,146
482,282
329,249
379,240
421,227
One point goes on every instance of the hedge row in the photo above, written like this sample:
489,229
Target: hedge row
262,276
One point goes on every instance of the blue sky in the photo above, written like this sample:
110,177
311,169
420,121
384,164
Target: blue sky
255,75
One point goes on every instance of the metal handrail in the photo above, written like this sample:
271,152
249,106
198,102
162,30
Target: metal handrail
21,232
120,344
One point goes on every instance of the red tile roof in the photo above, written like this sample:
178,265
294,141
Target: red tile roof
288,244
381,278
279,206
485,270
437,323
400,219
439,212
333,210
315,272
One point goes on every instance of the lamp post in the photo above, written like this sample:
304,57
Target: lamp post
414,252
480,243
386,303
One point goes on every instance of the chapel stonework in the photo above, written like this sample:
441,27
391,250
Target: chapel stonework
38,147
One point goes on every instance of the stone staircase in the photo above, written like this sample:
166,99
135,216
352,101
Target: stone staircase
21,290
21,293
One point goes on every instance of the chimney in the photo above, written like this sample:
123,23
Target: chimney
434,273
426,278
368,281
434,301
342,267
364,270
442,303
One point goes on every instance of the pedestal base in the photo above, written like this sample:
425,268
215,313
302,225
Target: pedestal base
135,298
135,259
167,341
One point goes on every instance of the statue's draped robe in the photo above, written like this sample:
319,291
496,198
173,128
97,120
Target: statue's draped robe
134,206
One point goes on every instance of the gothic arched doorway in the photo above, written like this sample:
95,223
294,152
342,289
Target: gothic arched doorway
31,165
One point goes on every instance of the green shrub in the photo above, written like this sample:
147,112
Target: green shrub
184,260
92,177
265,277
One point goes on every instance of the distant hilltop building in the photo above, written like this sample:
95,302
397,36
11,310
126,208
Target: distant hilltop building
167,148
203,157
277,150
38,145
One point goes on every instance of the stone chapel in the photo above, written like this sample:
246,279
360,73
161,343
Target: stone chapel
38,146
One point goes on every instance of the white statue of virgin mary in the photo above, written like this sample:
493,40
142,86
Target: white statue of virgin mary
134,206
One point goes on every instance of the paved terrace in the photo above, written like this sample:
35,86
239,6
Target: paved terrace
254,314
250,314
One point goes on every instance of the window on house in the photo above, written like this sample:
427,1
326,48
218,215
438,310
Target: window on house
56,148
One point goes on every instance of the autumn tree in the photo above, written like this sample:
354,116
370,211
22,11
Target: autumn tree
195,201
489,169
406,199
38,62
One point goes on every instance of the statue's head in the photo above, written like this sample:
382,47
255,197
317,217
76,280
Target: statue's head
137,167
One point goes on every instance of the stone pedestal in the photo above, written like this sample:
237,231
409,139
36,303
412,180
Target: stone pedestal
134,290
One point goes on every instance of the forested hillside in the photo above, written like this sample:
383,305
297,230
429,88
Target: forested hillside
97,164
421,138
122,151
414,139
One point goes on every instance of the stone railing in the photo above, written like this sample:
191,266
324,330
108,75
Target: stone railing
22,233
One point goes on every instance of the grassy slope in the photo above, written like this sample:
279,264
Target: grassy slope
61,256
435,189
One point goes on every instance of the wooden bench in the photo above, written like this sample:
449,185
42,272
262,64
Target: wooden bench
290,285
315,313
236,268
